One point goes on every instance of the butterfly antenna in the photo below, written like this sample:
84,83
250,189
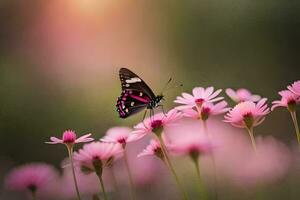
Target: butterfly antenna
173,87
166,85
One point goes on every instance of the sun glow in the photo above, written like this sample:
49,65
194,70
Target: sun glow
94,6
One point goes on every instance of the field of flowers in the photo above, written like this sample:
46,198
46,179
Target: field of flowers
111,168
224,127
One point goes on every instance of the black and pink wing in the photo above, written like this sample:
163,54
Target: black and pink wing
131,81
131,102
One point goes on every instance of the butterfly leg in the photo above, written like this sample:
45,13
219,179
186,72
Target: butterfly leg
145,113
151,115
163,110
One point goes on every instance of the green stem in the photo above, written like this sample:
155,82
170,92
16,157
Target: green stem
132,193
95,197
251,134
205,128
102,188
168,161
70,151
114,180
202,190
295,122
33,195
215,177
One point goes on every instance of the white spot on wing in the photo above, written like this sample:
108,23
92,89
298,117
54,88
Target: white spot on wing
133,80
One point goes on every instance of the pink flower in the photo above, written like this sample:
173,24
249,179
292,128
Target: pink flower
191,146
241,95
188,140
207,110
31,177
295,88
69,138
148,170
200,96
156,123
269,164
248,114
238,164
87,182
153,148
96,152
288,100
121,135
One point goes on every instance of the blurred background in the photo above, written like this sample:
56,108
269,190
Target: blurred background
59,62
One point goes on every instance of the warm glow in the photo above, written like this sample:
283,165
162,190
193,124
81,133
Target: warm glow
97,7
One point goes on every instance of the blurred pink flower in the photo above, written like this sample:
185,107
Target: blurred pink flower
190,146
288,100
148,170
270,163
153,148
96,151
207,110
121,135
295,87
31,177
188,139
200,95
248,114
156,123
241,95
88,183
69,138
238,164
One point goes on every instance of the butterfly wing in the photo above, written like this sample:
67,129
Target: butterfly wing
131,102
131,81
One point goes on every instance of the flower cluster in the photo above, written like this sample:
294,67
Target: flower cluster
189,130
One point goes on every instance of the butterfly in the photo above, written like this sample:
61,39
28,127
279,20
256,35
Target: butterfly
136,95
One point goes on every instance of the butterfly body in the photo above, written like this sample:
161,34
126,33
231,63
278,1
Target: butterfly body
155,102
136,95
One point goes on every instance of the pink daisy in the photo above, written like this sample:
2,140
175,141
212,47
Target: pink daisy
207,110
238,164
191,144
87,182
200,96
156,123
69,138
153,148
99,152
146,170
30,177
241,95
248,114
121,135
288,100
295,87
270,164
